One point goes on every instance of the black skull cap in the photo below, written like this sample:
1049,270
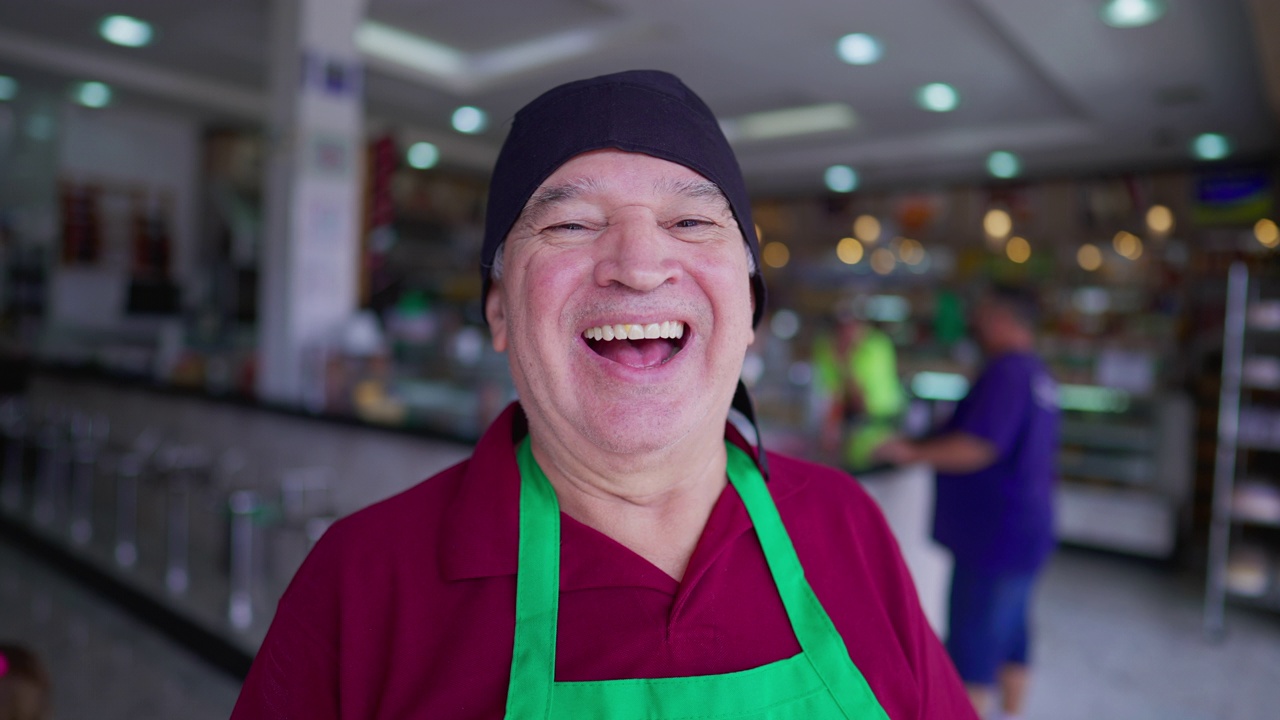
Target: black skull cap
642,111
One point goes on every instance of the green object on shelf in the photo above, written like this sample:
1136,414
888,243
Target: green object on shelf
949,324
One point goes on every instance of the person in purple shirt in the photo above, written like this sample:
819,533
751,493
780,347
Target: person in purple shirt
995,460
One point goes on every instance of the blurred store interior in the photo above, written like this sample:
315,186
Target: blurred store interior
239,293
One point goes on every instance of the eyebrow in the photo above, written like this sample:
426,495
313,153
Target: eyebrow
696,189
546,198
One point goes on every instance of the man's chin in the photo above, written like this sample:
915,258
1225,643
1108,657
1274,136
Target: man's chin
637,429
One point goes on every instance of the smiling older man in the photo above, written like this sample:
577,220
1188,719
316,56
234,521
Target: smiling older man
613,548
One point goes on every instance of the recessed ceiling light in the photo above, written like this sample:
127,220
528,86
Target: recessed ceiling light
1131,13
841,178
470,120
125,30
1211,146
93,94
422,155
859,49
1003,164
8,88
938,97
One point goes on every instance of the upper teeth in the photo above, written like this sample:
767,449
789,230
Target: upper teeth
669,329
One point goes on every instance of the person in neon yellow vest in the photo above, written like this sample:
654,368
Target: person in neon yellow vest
856,368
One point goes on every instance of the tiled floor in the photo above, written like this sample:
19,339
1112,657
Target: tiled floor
1123,640
105,663
1118,640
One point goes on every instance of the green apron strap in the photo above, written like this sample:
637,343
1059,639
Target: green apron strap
532,685
819,639
533,662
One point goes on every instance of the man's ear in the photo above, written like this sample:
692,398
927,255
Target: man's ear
495,311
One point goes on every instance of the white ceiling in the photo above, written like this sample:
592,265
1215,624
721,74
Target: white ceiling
1045,79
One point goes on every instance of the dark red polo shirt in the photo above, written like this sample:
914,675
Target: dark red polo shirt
406,608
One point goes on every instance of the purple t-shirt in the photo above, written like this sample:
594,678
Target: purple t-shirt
1001,519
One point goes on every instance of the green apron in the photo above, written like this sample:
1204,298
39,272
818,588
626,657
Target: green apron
819,682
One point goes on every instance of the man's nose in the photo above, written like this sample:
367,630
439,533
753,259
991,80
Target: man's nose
637,253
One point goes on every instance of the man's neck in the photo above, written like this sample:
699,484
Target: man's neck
656,507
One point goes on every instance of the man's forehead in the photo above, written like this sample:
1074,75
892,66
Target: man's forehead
609,169
583,186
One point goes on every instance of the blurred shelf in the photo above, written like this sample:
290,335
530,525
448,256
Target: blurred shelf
1128,520
1108,435
1267,601
1124,469
1246,519
1240,558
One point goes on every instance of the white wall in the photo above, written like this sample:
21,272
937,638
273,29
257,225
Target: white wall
156,151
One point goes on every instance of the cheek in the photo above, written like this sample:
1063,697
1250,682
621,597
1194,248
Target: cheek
540,307
730,289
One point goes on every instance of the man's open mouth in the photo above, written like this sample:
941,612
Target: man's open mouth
635,345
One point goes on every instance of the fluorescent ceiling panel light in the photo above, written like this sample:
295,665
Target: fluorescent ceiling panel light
1131,13
464,71
536,53
789,122
859,49
405,48
125,30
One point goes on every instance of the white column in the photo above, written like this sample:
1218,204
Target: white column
310,245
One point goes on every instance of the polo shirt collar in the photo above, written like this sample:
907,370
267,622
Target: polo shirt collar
479,535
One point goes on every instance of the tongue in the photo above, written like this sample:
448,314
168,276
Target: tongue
636,353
